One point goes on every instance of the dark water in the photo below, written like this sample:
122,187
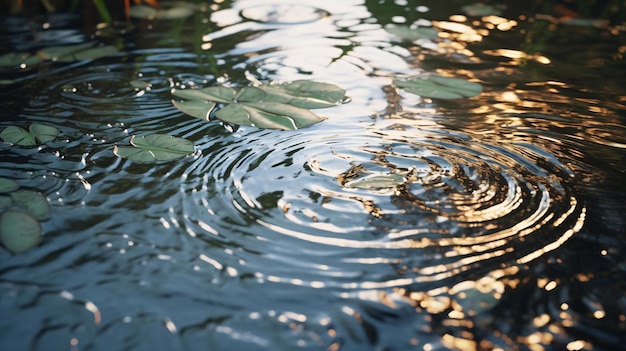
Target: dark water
511,235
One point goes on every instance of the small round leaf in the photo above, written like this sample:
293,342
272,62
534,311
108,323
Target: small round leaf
18,135
155,147
8,185
19,231
43,133
32,202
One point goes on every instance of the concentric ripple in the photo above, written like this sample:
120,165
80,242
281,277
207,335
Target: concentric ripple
451,206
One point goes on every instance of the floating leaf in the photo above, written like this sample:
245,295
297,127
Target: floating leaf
480,9
143,11
17,135
305,94
8,185
36,133
31,202
438,87
277,106
140,84
179,10
413,33
377,181
17,59
5,202
56,52
19,231
195,108
43,133
89,54
155,147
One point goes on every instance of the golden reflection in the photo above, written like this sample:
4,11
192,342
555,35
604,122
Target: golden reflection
459,343
501,23
518,57
460,32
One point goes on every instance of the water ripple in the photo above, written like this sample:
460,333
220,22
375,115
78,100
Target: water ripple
466,205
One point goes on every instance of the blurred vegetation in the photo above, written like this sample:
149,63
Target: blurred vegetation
108,10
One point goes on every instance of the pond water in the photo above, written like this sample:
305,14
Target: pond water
510,234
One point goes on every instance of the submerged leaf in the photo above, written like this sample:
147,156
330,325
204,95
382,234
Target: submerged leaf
155,147
19,231
438,87
31,202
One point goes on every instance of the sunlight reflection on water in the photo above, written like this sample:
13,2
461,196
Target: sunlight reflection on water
500,224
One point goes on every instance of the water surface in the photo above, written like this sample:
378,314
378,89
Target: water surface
508,236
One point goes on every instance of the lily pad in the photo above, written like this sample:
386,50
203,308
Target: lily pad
438,87
89,54
17,59
479,9
8,185
155,147
5,202
377,181
413,33
36,134
276,106
31,202
56,52
19,231
176,11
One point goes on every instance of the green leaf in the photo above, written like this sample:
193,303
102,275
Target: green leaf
8,185
480,9
276,106
413,33
19,231
438,87
143,11
17,59
31,202
195,108
306,94
43,133
140,84
5,202
217,94
377,181
155,147
17,135
36,133
56,52
89,54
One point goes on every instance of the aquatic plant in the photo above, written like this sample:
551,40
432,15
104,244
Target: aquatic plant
438,87
20,213
275,106
36,134
155,147
64,53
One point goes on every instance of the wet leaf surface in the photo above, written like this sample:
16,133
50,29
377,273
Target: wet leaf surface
155,147
19,231
275,106
438,87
